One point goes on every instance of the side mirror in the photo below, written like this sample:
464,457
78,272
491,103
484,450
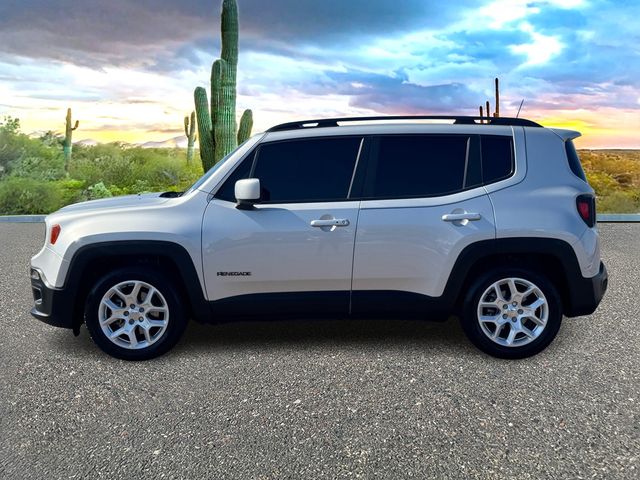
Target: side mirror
247,192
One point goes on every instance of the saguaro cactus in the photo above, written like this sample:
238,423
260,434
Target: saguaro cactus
246,124
217,120
190,132
68,133
497,112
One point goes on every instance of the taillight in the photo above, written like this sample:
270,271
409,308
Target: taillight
586,205
55,233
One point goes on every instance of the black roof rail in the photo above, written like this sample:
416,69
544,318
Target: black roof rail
457,119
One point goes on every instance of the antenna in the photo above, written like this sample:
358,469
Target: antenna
519,108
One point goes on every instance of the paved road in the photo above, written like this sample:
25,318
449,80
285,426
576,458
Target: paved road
322,399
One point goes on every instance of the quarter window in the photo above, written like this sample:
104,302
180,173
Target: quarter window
417,166
497,157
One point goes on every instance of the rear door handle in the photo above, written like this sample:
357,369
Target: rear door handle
457,217
332,222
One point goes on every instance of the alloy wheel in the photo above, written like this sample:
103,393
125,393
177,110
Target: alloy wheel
513,312
133,314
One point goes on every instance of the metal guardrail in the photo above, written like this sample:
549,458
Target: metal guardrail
602,218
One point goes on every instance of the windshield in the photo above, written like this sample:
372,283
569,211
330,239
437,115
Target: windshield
238,152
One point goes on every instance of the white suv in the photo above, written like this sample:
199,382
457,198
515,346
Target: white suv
357,217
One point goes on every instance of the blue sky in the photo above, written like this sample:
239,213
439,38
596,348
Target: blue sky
128,68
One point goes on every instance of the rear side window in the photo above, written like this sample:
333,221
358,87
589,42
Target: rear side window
574,160
497,157
417,166
308,170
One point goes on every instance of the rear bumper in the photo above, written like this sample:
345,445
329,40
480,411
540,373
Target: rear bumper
586,293
52,306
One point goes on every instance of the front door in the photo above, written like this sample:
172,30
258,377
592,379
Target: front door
292,253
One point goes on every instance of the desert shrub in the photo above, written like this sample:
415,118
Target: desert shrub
102,163
71,191
619,202
28,157
602,182
621,165
33,177
46,167
133,169
98,191
28,196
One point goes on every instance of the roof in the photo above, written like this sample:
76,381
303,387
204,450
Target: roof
455,119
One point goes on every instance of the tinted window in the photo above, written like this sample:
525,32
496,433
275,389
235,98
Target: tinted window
306,170
417,166
574,160
497,157
227,191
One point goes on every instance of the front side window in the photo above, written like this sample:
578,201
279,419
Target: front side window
309,170
242,171
404,166
238,152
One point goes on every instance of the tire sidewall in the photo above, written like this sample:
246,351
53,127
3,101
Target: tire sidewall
175,327
471,325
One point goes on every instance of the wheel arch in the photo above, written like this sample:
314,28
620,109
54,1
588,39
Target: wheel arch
551,257
92,261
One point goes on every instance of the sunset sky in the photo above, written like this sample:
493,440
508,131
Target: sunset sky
128,67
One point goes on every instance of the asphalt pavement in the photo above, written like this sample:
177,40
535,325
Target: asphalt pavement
322,399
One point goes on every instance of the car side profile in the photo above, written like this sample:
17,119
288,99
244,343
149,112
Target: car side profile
394,217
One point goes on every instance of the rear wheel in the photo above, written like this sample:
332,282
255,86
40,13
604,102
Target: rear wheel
134,314
512,313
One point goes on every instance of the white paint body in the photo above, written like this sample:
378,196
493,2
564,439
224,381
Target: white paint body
401,244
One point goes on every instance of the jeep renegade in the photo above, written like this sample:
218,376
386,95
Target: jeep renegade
419,217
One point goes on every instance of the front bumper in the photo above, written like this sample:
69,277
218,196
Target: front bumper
587,293
52,305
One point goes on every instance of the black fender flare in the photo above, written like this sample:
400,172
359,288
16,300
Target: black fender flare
77,281
576,290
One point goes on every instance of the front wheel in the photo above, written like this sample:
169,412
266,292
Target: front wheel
134,314
512,313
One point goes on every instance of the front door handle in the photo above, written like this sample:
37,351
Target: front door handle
458,217
332,222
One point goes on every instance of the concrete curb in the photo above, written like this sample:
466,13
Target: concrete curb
619,217
22,218
603,218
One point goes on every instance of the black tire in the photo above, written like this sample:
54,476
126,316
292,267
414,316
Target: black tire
177,319
471,324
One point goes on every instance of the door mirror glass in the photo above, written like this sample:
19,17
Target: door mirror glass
247,192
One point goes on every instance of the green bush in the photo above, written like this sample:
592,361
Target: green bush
619,202
19,196
33,178
98,191
71,191
23,156
132,169
45,167
602,182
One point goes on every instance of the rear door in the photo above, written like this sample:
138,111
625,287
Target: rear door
293,252
423,202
